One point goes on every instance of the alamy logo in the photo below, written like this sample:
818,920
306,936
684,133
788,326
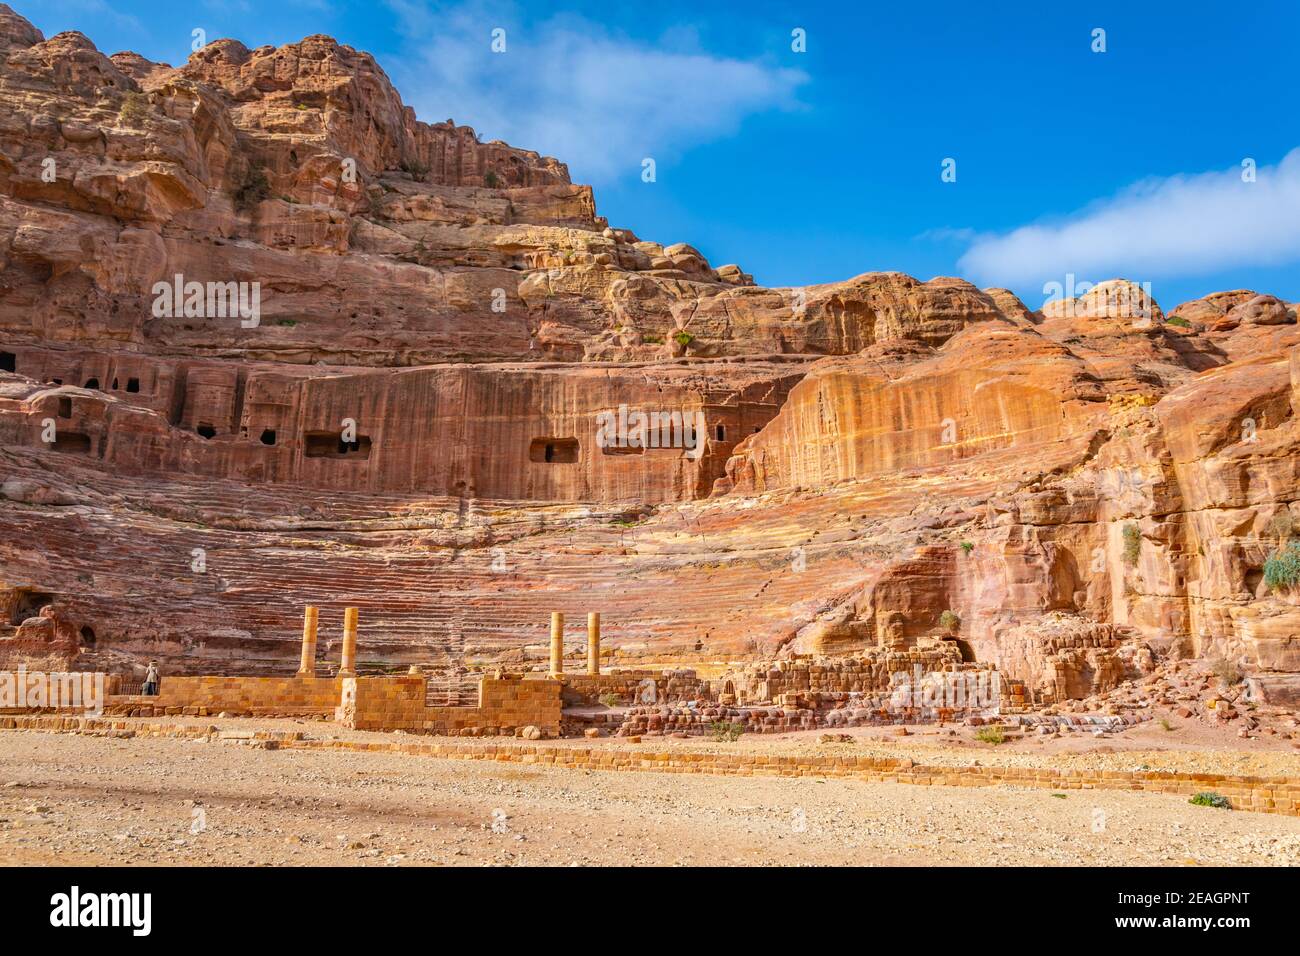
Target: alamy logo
208,300
38,690
1115,300
74,909
957,690
634,428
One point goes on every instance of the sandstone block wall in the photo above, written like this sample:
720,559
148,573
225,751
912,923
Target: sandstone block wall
585,690
315,696
870,672
506,705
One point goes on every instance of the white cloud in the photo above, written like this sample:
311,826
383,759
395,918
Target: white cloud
569,88
1191,224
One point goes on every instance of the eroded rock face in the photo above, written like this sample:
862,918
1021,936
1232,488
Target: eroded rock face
417,422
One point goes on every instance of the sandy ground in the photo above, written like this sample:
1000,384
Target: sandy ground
93,800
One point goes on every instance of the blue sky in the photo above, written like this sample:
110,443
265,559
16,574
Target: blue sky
816,166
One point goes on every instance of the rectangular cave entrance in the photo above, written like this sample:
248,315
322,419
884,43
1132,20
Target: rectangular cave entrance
72,443
332,445
8,362
554,451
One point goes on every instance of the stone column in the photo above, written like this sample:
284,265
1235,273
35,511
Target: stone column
593,643
557,643
348,667
308,666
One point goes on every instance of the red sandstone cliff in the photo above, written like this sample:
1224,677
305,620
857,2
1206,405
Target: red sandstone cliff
1077,486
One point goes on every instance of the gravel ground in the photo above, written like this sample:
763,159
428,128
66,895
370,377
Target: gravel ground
1188,747
74,799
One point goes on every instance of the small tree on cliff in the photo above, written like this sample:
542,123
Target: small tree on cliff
134,111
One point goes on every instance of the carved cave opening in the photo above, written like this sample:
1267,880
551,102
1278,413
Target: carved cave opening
332,445
28,604
72,443
554,451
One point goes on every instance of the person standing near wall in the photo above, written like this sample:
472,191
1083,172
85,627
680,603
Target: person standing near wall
150,688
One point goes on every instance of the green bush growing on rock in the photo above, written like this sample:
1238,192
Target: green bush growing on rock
1211,799
1132,544
1282,570
949,621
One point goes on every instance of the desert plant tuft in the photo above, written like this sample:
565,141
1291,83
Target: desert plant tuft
1179,321
684,338
251,188
1132,544
1281,526
490,179
725,730
609,699
1211,799
968,546
414,168
1227,671
991,735
949,621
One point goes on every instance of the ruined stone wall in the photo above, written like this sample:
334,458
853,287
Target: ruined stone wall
506,705
869,672
245,696
632,686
